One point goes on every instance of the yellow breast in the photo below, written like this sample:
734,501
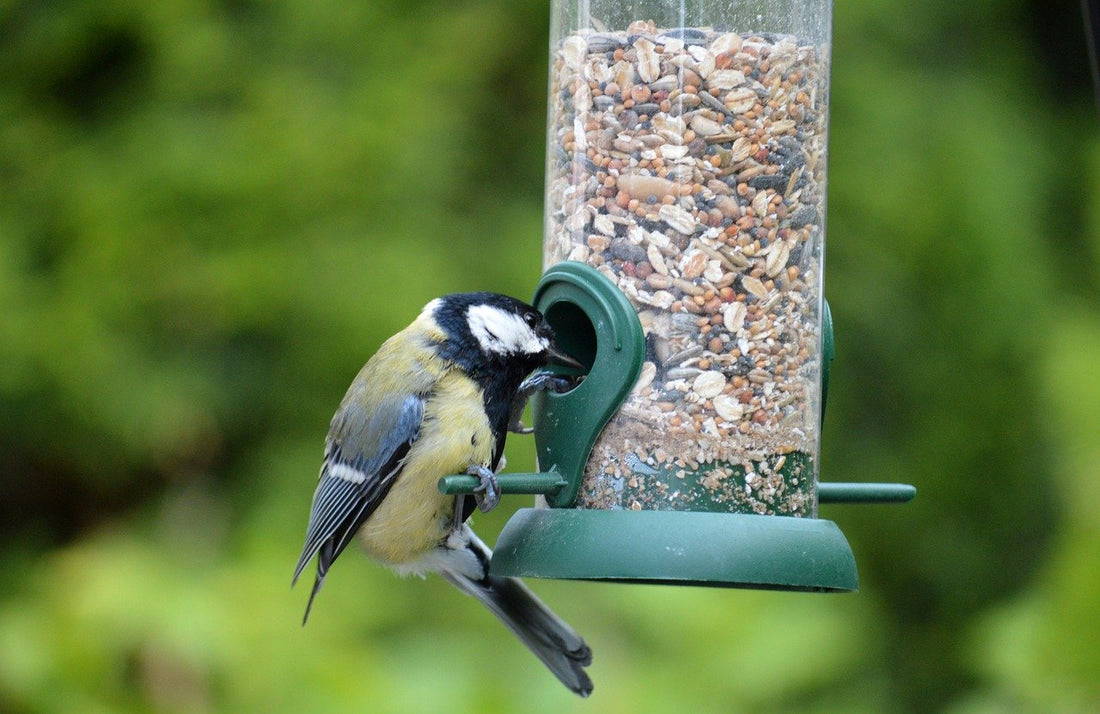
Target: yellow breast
454,435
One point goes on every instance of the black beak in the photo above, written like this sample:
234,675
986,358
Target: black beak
556,357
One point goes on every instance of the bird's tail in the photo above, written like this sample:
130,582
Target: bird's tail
552,640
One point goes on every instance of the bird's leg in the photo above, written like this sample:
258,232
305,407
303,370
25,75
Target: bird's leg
556,383
487,492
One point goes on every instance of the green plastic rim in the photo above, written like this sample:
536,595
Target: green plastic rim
677,548
597,325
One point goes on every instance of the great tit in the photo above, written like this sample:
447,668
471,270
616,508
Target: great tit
439,398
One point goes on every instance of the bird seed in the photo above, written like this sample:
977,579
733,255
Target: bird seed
688,167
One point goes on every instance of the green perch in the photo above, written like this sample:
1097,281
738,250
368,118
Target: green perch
551,482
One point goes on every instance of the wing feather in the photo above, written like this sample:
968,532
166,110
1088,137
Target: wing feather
363,456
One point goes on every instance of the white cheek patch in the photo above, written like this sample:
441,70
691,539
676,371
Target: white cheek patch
502,332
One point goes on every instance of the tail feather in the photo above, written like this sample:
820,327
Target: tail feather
549,637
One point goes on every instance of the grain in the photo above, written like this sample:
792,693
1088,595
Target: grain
689,167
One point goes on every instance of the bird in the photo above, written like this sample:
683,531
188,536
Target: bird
437,398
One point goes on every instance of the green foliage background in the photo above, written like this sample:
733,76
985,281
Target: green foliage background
212,212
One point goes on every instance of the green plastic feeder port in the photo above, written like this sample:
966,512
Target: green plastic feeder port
596,324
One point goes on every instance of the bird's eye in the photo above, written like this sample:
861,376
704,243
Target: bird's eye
531,318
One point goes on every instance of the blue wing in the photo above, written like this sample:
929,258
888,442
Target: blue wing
363,456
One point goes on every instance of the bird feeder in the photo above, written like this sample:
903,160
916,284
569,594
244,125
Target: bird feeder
684,244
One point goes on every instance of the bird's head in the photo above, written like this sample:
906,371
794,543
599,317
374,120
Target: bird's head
489,330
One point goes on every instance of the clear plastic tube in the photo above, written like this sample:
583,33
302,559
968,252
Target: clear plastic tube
686,161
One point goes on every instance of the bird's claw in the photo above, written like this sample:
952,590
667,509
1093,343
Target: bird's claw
487,492
537,382
516,425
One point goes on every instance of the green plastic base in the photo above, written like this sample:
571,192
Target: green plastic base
677,548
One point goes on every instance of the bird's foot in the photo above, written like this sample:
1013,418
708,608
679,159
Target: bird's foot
487,492
537,382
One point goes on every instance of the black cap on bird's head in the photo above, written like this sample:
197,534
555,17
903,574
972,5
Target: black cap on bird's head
497,329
